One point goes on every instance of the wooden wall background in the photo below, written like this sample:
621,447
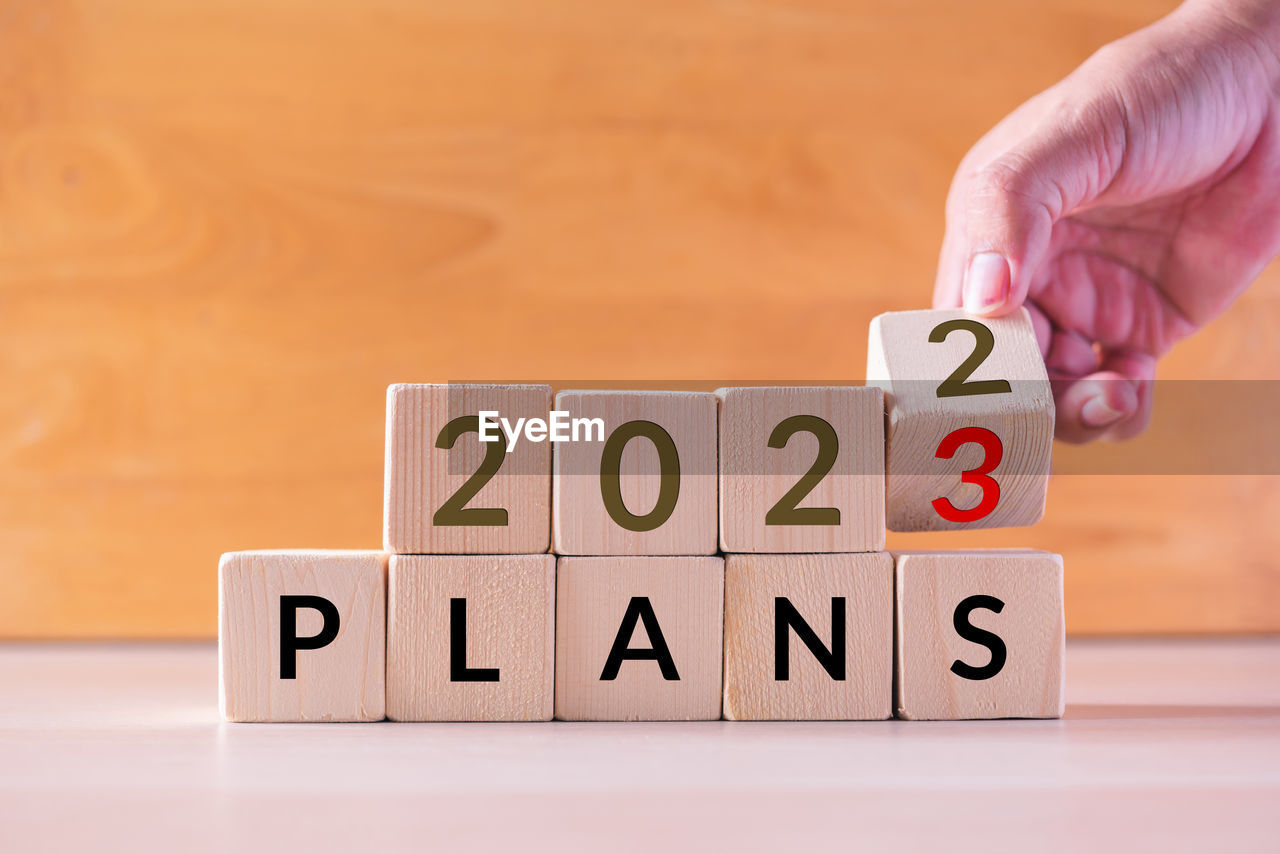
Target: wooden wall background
226,225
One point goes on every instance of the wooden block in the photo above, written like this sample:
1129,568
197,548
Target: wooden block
302,635
980,634
801,469
782,658
650,487
639,638
970,419
447,492
470,637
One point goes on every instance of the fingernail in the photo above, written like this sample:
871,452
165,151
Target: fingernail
986,283
1096,413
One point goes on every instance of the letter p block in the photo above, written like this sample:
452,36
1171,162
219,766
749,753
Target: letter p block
302,635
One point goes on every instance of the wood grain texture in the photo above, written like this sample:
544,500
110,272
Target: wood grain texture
581,524
510,626
810,583
930,586
909,367
592,597
342,681
420,476
226,227
755,476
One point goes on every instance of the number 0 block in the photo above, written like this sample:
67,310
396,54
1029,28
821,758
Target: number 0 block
970,419
649,488
801,469
301,635
980,634
447,492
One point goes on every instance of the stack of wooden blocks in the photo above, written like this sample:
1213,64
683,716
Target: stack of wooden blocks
711,555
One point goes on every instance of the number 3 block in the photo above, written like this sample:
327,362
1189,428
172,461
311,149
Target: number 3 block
447,492
970,419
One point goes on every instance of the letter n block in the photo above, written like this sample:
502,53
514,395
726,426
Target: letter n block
639,638
447,492
980,634
650,487
470,637
302,635
970,419
801,469
783,656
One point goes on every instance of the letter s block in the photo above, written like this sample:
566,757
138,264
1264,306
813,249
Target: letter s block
970,419
302,635
980,634
447,492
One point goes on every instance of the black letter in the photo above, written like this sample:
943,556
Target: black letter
972,633
290,643
458,670
786,616
639,609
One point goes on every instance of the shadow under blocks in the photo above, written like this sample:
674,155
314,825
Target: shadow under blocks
646,555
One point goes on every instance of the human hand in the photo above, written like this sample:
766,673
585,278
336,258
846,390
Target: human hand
1126,206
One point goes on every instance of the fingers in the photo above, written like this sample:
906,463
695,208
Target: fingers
1003,204
1111,403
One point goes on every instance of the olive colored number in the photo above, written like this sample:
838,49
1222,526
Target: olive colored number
958,384
785,512
455,511
611,475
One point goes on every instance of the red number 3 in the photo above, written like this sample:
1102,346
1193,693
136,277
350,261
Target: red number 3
981,476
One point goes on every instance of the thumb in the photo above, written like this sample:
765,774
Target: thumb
1000,216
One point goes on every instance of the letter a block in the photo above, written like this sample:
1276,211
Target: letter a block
783,656
801,469
980,634
302,635
470,637
970,419
639,638
650,487
447,492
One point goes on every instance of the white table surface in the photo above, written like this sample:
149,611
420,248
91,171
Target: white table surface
1166,746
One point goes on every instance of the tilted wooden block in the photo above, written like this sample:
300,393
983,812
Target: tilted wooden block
650,487
447,492
639,638
808,637
970,419
471,637
980,634
302,635
801,469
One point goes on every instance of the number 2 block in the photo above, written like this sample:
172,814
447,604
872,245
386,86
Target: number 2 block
970,419
644,483
801,469
447,492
